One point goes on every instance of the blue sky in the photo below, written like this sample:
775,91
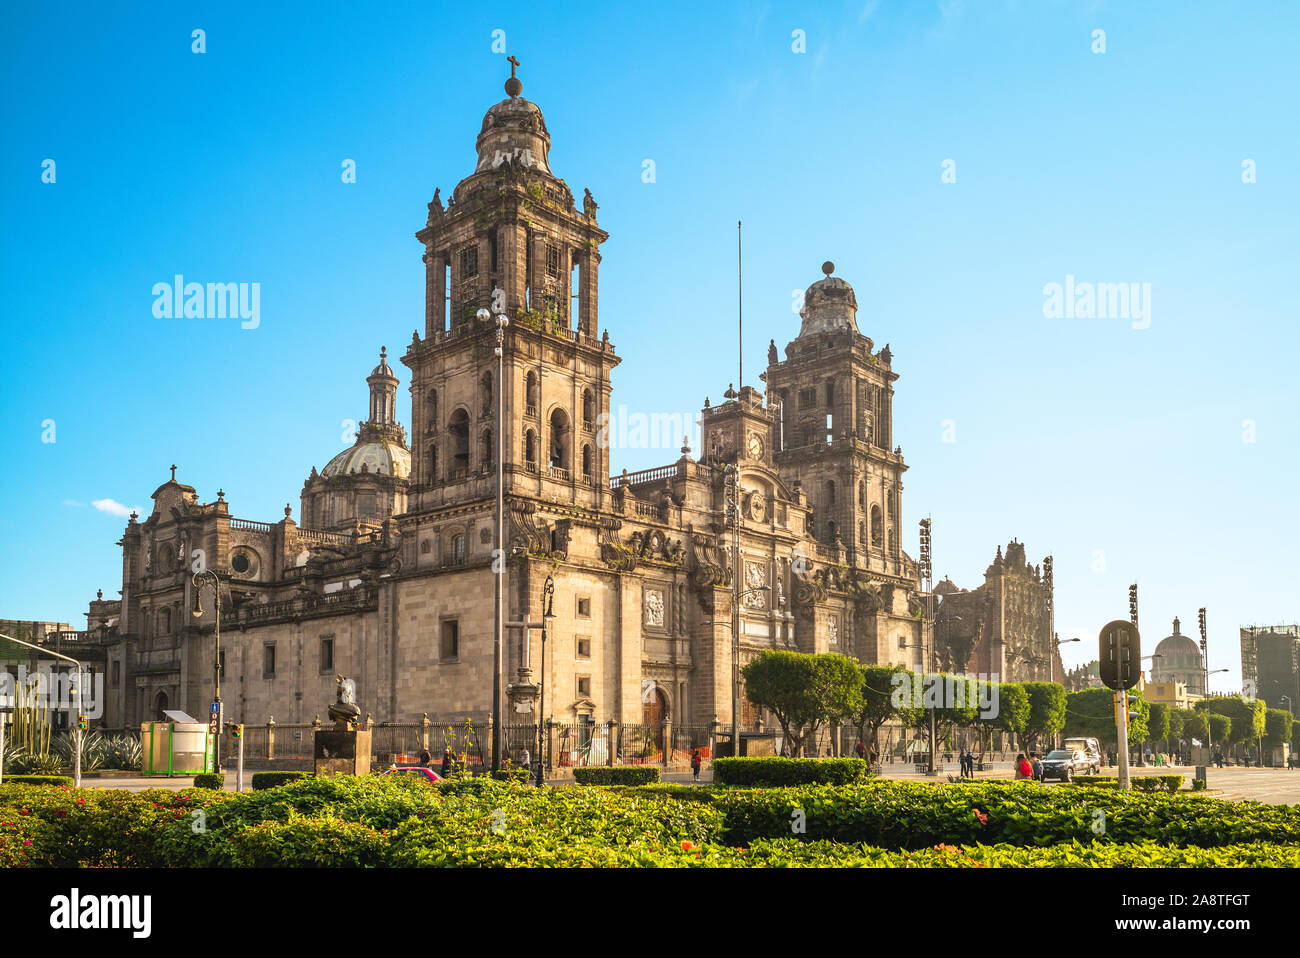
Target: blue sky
1085,438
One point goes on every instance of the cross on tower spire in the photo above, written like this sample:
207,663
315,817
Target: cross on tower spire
173,473
513,86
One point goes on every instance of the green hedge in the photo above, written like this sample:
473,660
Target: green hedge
616,775
64,780
371,821
1198,785
776,772
512,775
1154,783
263,780
210,780
892,814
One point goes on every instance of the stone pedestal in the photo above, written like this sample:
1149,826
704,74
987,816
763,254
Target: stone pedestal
342,752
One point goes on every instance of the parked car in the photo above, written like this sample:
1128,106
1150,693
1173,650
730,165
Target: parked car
1089,747
1065,763
419,771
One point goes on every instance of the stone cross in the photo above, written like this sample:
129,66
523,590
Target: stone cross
513,63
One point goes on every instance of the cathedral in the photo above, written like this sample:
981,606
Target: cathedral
388,575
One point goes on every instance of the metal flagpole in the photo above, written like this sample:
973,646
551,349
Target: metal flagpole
740,312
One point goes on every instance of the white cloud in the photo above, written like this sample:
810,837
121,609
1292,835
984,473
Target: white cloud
73,502
112,507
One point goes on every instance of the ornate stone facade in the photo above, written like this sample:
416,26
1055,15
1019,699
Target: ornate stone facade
1003,628
393,581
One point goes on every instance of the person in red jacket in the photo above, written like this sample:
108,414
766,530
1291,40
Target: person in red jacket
1023,768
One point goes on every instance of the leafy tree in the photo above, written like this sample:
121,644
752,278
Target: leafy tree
1046,712
803,690
1195,725
955,698
1091,713
875,704
1220,727
1158,723
1175,726
1278,724
1011,703
1246,718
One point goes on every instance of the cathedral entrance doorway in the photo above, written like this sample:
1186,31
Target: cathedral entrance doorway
654,708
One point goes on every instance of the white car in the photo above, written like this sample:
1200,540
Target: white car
1091,749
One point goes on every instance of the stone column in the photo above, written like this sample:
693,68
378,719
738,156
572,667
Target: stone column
435,293
270,737
609,737
587,318
424,731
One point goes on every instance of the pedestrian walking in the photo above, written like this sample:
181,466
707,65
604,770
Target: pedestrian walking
1023,768
448,762
695,764
425,758
860,750
1037,766
525,760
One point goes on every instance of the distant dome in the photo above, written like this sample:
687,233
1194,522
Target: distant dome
828,305
379,458
1180,646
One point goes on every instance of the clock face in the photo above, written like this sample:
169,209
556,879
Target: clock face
755,446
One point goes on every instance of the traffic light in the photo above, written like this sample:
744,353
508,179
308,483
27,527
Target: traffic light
82,723
235,729
1120,655
1132,701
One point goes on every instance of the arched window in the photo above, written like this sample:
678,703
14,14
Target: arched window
530,449
485,392
431,410
457,555
531,392
877,527
586,463
431,462
559,457
830,492
588,410
459,429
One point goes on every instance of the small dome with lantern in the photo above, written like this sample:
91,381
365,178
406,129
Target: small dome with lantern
828,305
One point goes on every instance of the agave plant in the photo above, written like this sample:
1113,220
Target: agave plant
44,763
14,757
123,751
93,752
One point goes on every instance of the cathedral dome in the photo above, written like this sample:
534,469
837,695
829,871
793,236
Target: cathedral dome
379,458
514,131
828,305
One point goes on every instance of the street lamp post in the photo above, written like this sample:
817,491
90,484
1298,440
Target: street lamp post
197,612
548,613
927,583
499,555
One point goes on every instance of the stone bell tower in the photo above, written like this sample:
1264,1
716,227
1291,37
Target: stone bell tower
511,240
834,394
